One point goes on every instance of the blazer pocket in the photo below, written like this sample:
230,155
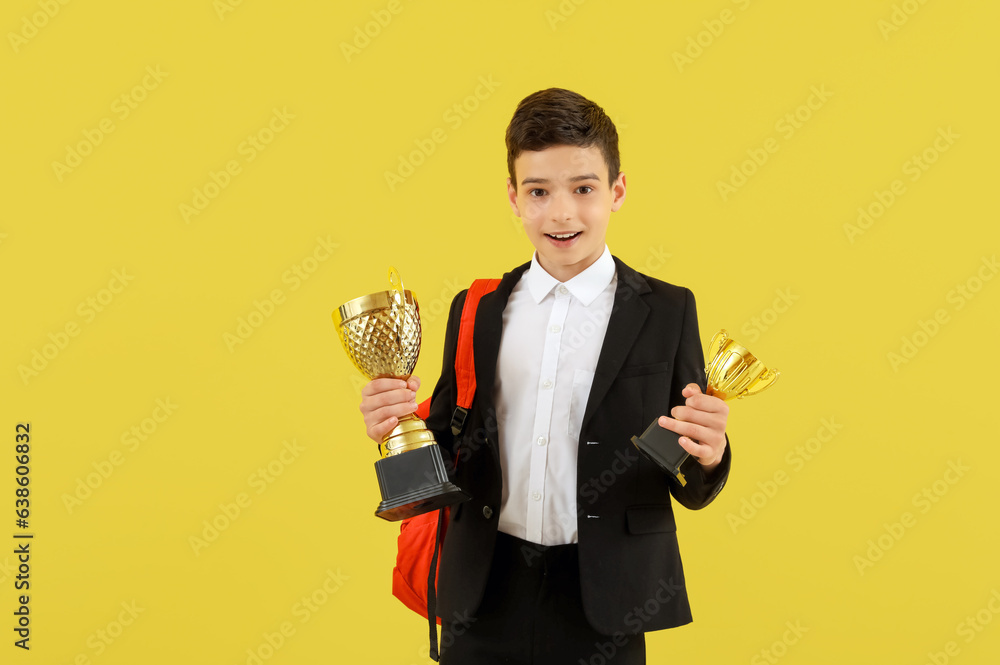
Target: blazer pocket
582,381
640,370
650,519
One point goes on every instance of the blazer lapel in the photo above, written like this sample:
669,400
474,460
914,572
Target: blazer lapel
627,316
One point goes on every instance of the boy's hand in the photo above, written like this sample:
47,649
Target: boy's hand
701,422
383,401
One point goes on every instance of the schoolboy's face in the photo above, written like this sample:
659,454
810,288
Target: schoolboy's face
565,202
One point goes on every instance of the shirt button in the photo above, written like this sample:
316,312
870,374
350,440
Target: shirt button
546,384
487,512
541,441
555,329
563,290
537,496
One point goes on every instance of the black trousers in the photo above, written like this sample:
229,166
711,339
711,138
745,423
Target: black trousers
532,613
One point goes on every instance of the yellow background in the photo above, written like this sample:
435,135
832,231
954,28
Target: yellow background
322,179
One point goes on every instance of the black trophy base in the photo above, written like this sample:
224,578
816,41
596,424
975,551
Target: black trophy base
661,447
413,483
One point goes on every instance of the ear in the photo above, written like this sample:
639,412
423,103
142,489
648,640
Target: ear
512,197
618,192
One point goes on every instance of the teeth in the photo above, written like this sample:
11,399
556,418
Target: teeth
563,236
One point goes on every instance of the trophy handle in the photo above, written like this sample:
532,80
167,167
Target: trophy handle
765,381
396,282
717,341
397,297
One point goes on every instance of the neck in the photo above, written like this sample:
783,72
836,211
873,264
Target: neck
564,273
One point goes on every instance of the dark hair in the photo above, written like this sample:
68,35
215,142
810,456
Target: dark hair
556,116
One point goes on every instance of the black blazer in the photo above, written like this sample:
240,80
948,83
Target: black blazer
630,567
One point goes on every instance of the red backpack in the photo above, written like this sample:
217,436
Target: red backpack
420,537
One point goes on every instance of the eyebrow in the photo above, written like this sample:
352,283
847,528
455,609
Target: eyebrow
544,181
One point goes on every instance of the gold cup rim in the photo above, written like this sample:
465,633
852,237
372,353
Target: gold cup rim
368,303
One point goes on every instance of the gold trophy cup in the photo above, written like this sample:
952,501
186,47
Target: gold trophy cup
733,373
381,334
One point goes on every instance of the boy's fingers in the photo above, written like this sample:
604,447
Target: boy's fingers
385,419
694,448
703,401
376,386
377,432
689,435
688,429
693,438
708,403
384,401
388,399
374,433
691,389
708,419
370,404
379,416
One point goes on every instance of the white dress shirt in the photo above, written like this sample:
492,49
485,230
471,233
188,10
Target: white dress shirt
552,336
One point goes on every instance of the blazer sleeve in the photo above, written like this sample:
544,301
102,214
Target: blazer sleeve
444,398
689,367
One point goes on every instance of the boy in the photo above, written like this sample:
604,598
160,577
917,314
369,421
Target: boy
567,550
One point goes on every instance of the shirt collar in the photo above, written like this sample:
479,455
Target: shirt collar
585,287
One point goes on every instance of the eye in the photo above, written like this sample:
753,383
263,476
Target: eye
532,192
587,187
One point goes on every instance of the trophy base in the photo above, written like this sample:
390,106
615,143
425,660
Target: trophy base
413,483
660,446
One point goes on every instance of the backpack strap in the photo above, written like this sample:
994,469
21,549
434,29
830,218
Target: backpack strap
432,591
465,379
465,363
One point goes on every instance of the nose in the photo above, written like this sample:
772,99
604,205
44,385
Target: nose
561,208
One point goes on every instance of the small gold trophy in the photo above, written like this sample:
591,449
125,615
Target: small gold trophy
733,373
381,334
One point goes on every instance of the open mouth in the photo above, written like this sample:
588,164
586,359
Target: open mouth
563,238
